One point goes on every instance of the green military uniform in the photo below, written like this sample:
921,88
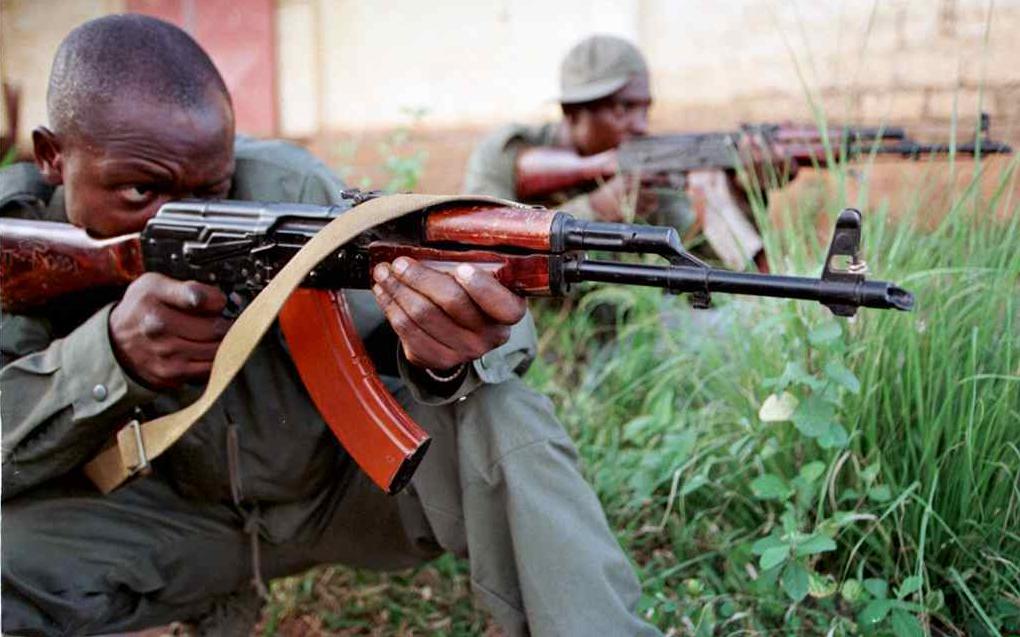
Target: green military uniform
260,486
593,69
491,170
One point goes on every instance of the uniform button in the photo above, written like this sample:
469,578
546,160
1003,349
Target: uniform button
99,392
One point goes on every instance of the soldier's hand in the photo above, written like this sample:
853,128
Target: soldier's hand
166,332
766,164
445,320
623,196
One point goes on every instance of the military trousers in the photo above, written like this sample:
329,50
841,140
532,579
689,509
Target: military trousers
499,485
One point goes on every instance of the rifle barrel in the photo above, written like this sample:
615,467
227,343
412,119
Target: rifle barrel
911,149
685,279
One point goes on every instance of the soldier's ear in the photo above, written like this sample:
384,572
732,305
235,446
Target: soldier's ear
49,155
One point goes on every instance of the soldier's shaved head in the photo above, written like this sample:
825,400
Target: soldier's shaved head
138,116
131,57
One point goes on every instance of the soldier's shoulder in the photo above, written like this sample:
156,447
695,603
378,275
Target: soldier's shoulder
277,170
22,188
531,135
275,154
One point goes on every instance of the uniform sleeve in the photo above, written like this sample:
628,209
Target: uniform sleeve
61,399
492,167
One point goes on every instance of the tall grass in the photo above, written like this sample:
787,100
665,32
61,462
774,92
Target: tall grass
771,468
903,447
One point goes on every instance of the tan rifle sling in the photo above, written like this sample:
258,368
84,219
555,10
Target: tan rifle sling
136,445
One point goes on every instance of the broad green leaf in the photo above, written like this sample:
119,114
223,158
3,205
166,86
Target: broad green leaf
727,609
813,416
841,374
870,472
678,445
770,487
789,520
817,543
935,601
822,586
874,612
694,484
835,437
777,408
825,334
905,625
852,591
662,405
638,428
767,542
792,373
880,493
910,585
773,557
877,587
812,471
849,494
795,581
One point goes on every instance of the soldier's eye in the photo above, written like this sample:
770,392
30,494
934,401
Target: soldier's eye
138,193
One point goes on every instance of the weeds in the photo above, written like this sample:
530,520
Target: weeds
771,468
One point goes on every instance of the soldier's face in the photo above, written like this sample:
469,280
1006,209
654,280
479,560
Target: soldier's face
137,157
612,121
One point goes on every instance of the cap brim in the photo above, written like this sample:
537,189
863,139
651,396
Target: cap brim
593,90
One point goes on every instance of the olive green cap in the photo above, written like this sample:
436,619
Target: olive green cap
597,67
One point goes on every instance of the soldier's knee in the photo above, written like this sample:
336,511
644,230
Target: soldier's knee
499,419
37,596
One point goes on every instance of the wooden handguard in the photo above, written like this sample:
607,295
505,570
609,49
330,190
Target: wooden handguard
523,228
339,376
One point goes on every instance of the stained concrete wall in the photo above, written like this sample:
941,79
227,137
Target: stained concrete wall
469,64
345,66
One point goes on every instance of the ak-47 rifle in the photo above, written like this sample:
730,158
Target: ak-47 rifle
544,170
240,246
699,162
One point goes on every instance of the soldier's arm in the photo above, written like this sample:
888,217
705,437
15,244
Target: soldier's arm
60,400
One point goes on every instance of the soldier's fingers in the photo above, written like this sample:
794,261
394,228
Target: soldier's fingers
170,321
419,348
176,360
182,351
196,370
192,297
442,290
489,294
469,344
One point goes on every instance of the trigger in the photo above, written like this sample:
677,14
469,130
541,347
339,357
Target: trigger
235,305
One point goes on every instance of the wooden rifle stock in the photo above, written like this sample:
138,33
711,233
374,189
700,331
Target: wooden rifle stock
43,261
